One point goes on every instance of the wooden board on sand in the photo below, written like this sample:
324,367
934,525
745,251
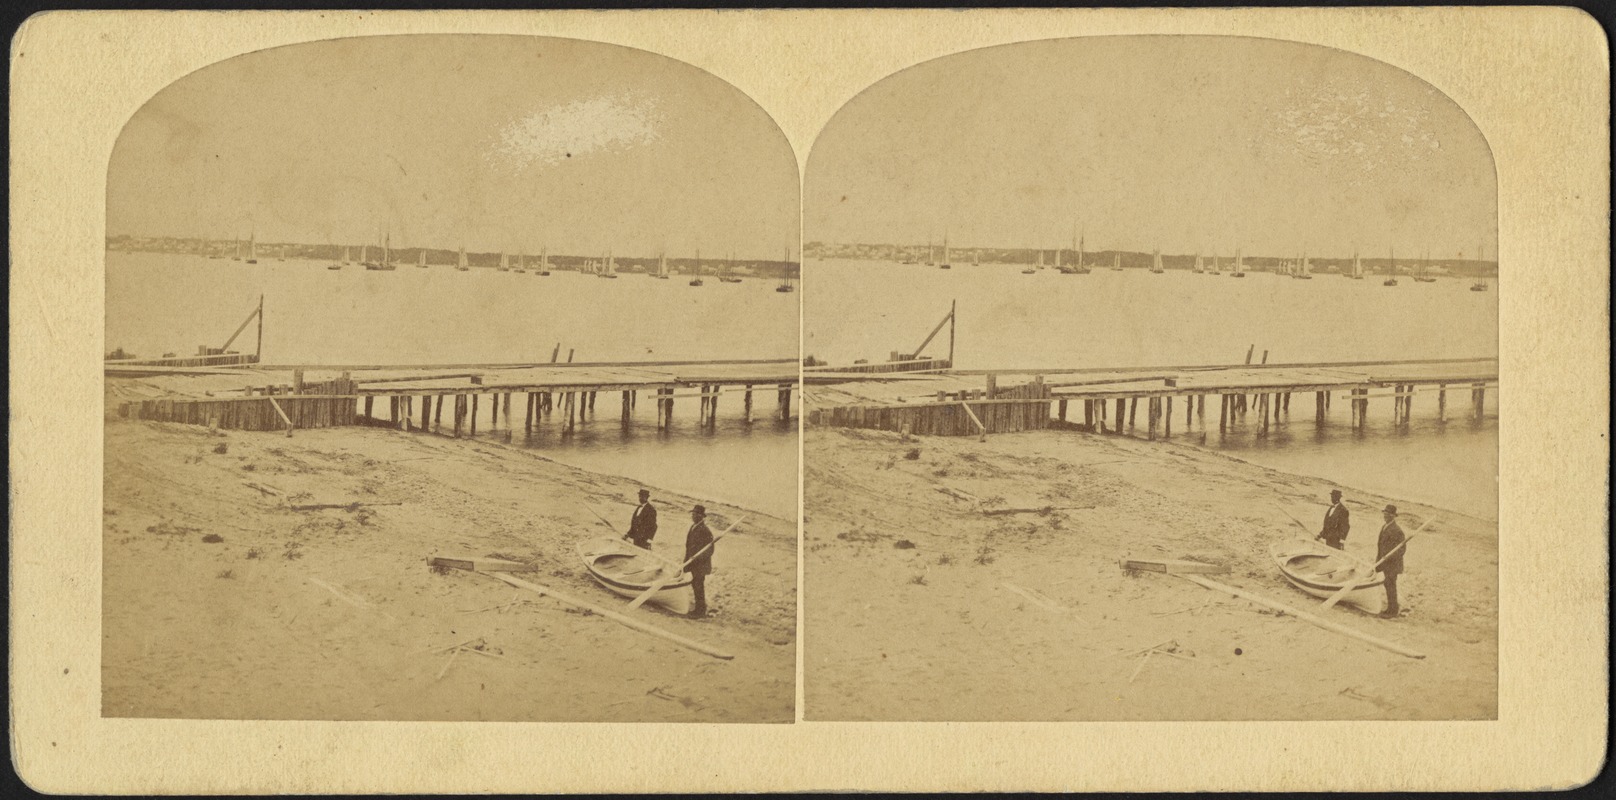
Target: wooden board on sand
476,564
1174,566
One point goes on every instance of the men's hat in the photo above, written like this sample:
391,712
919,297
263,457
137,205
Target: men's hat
700,509
1392,510
645,492
1335,492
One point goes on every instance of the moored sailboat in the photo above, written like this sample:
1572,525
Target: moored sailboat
1155,262
786,284
1239,265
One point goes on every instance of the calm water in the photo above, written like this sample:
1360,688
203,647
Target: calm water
1134,318
158,303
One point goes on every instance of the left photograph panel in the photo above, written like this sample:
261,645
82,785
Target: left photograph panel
451,378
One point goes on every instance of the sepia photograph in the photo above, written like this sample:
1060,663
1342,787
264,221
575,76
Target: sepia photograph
677,401
380,312
1151,378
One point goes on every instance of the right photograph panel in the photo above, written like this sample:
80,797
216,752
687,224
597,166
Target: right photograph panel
1151,378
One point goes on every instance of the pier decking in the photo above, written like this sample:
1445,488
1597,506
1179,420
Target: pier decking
1110,397
281,398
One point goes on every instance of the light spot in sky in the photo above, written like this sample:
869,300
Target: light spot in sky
610,123
1350,126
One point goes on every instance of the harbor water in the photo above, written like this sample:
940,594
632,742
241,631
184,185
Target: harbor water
1134,318
160,303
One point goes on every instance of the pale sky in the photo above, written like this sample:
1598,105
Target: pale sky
494,142
1183,143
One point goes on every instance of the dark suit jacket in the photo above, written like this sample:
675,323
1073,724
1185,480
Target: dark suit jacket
1336,523
643,526
1390,537
697,538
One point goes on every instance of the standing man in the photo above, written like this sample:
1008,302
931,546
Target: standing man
1335,522
699,555
1390,556
642,529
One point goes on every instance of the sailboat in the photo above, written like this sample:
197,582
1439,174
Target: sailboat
252,249
504,262
726,276
460,264
697,281
1305,272
662,266
364,255
1357,268
1217,268
1077,267
1480,285
335,263
610,270
521,262
786,284
420,258
237,256
1239,265
1199,267
1059,267
1116,262
386,264
931,254
280,255
1392,281
346,256
948,262
1155,263
976,258
1423,274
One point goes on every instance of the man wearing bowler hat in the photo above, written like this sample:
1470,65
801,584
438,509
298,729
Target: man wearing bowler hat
1335,522
642,528
1390,556
699,555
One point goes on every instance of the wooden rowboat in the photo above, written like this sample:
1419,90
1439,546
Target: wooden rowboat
1321,571
628,571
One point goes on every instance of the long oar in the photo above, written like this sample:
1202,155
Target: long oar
648,551
1298,522
658,585
1354,583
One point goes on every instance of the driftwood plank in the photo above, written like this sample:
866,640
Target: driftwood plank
1176,566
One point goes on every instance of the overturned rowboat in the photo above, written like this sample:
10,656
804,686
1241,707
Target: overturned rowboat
628,571
1321,571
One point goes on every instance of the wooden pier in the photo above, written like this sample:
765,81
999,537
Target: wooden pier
1110,398
414,398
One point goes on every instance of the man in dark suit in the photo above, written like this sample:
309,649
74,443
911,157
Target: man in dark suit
1335,522
1390,557
699,554
642,529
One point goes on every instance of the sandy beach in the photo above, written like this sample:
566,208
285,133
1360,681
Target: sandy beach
220,601
927,598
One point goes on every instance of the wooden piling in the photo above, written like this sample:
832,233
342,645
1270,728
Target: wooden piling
474,415
1063,410
1133,411
426,413
626,409
494,409
1441,402
748,402
368,401
459,414
1223,413
1167,418
527,419
437,414
1122,410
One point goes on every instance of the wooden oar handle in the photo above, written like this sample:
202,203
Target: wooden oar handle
707,546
